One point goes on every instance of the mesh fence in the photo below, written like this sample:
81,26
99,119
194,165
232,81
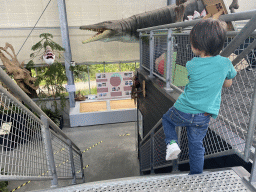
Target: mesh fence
145,51
160,150
61,157
145,156
229,130
228,133
21,145
160,50
77,163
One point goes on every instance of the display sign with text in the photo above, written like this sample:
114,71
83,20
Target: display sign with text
114,85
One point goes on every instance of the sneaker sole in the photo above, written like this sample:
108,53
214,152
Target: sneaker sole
174,155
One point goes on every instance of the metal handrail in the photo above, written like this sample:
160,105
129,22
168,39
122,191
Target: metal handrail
15,89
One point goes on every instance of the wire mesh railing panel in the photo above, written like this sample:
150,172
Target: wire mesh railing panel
182,54
77,163
233,120
145,156
234,114
145,59
21,145
183,141
213,143
160,150
61,157
160,52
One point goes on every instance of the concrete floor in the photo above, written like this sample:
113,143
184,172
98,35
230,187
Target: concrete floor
115,157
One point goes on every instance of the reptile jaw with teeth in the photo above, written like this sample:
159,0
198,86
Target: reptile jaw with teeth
101,34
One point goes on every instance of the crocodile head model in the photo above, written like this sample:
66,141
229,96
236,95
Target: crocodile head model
126,29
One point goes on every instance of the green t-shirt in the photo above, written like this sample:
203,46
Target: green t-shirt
203,92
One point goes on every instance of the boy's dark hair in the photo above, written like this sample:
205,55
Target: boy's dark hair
209,35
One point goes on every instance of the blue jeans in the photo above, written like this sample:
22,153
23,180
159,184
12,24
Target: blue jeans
197,125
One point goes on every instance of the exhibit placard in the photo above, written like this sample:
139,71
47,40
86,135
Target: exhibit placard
114,85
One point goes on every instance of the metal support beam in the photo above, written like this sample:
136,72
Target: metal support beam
66,45
152,152
239,39
251,126
82,167
169,56
49,152
151,54
244,53
252,179
140,41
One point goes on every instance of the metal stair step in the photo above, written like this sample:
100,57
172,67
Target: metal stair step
211,180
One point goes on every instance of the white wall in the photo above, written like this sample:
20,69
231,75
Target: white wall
24,13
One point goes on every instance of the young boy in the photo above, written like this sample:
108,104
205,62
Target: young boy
202,95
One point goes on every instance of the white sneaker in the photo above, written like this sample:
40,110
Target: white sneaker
172,151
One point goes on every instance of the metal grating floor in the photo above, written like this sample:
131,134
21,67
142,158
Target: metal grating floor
226,180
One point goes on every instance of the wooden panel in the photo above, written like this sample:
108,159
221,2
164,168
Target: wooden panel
122,104
93,106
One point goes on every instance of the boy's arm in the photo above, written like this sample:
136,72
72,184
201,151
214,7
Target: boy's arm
227,83
231,74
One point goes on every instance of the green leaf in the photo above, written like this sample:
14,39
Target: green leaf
32,55
37,46
45,35
46,43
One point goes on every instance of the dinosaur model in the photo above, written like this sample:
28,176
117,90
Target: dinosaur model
20,74
119,30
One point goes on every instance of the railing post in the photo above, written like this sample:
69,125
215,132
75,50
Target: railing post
151,54
82,167
139,151
152,152
141,49
251,128
49,152
169,56
71,158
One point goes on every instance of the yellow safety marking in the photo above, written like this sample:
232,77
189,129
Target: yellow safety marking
92,146
59,151
83,168
127,134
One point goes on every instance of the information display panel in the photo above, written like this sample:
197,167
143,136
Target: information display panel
114,85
